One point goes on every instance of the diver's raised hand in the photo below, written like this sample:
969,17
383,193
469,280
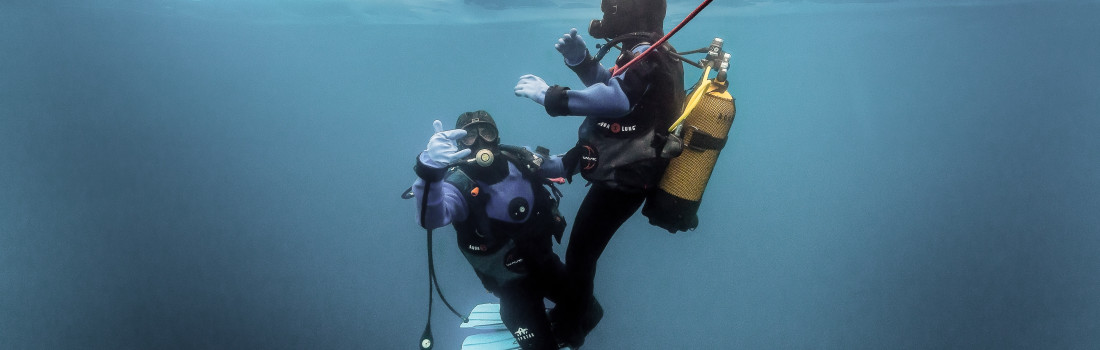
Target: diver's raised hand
532,87
572,48
442,149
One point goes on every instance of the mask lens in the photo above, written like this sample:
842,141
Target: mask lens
471,136
488,133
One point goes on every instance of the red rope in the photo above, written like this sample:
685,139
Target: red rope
664,38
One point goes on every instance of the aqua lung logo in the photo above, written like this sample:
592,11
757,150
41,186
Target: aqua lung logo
524,334
616,128
477,248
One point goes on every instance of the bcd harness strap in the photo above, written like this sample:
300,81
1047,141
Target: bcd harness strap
701,141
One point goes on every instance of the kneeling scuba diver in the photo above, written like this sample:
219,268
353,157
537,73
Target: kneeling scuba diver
504,212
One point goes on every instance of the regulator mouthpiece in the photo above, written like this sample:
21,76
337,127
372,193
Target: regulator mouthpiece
484,158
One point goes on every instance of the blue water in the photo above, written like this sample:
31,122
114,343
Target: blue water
225,174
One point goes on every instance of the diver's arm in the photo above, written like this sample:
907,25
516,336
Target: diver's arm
445,203
553,167
600,100
576,55
590,71
613,99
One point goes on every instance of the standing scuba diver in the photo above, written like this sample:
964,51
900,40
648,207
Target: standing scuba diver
622,140
504,216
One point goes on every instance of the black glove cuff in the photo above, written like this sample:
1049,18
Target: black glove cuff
585,66
557,101
428,173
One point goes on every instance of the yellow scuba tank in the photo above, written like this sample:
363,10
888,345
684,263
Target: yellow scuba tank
703,129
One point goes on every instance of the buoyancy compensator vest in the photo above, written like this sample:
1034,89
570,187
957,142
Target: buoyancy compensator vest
500,252
624,153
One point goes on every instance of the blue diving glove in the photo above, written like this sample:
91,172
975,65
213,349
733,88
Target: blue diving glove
442,149
532,87
572,48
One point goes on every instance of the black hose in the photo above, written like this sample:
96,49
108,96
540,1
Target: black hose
431,274
686,60
702,50
426,339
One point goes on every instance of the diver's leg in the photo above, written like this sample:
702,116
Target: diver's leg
524,313
601,213
548,277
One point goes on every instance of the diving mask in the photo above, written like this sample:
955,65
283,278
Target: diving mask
486,132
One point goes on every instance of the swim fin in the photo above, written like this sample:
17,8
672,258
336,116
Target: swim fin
487,316
499,340
484,316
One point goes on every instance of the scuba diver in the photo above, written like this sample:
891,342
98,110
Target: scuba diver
622,141
504,211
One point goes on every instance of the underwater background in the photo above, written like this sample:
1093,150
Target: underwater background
180,174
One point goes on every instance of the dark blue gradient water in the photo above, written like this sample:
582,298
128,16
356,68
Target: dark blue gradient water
218,175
